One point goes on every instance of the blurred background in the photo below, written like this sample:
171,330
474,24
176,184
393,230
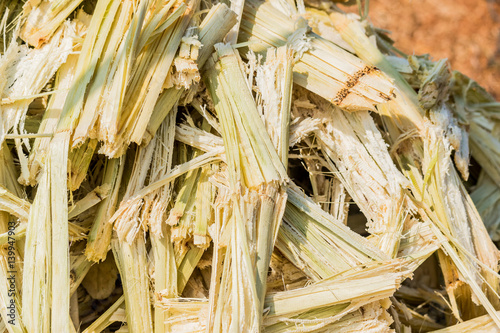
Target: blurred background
467,32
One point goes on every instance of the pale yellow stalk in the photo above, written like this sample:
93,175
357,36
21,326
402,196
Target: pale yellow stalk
165,269
355,152
212,30
131,260
317,243
37,264
256,177
43,18
11,203
58,161
99,237
27,71
11,255
205,196
64,77
145,85
165,278
322,67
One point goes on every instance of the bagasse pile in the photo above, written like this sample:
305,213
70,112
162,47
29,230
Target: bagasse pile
277,166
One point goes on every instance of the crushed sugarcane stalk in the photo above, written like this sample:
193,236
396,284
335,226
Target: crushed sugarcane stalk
243,166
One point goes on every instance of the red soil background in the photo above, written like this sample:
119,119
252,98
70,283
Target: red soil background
467,32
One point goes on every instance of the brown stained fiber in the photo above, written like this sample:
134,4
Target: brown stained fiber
353,81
